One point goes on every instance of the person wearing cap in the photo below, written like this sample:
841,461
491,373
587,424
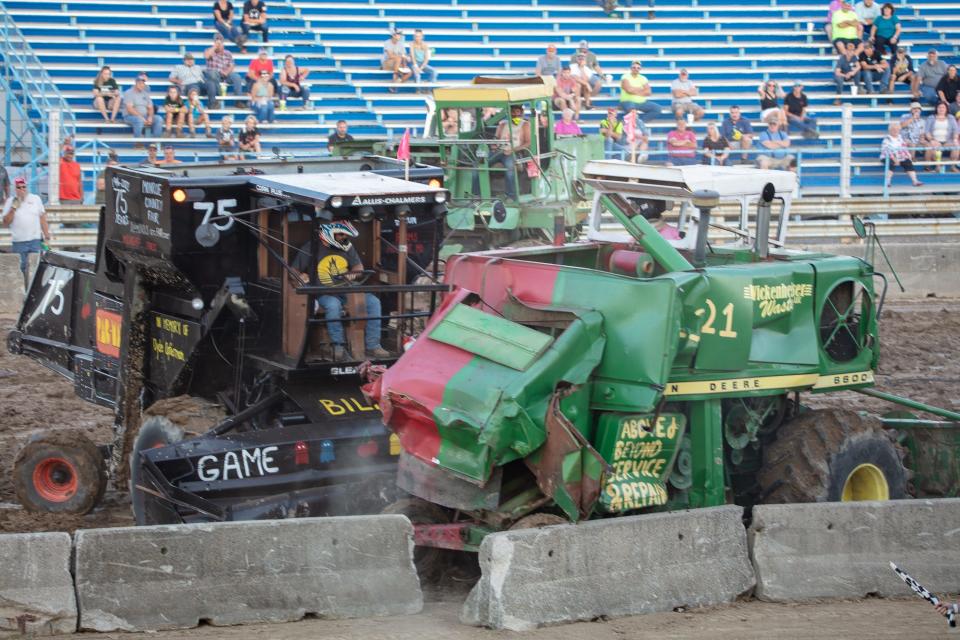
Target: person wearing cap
886,30
847,69
138,109
589,83
776,146
845,28
583,49
948,89
549,63
112,160
187,76
683,90
255,19
635,94
929,73
220,69
257,66
513,134
901,71
795,107
24,214
223,23
873,66
71,191
913,127
152,159
894,153
395,58
738,131
615,143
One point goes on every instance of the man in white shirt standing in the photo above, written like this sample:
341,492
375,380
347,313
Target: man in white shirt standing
23,212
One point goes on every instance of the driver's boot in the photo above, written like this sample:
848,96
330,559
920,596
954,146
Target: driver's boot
340,353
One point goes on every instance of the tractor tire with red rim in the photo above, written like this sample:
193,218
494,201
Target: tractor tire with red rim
155,432
59,472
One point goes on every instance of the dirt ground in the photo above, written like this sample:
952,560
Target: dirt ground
919,359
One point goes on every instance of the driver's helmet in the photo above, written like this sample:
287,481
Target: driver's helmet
330,231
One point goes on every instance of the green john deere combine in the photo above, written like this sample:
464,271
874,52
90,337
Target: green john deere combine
634,372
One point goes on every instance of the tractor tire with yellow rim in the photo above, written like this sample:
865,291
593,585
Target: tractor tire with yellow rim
833,456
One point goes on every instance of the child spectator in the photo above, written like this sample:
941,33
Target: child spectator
174,110
226,140
894,153
941,131
223,23
196,114
567,126
681,145
255,19
291,82
738,131
886,30
106,94
770,96
716,148
566,92
847,69
683,91
250,136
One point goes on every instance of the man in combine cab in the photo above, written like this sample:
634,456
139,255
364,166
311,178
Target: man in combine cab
514,137
337,265
24,214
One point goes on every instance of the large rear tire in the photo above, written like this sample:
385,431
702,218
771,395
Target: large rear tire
832,456
59,472
155,432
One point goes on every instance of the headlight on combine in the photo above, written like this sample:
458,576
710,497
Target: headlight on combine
440,197
336,202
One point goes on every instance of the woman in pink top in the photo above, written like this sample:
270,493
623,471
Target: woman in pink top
567,126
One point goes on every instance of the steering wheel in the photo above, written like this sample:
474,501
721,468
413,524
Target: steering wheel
352,278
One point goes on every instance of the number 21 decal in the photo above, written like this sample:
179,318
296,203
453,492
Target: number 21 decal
711,313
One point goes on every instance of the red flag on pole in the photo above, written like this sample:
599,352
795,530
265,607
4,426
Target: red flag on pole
403,151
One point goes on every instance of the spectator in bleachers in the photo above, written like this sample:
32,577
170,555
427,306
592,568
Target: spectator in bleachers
681,145
175,111
255,19
928,75
941,131
566,92
420,59
635,93
395,58
152,160
847,69
226,140
683,91
795,106
169,156
901,71
738,131
196,114
716,148
913,127
223,23
257,66
291,81
250,136
828,26
101,194
450,121
867,11
886,30
948,89
261,98
220,71
549,63
567,125
845,28
583,49
187,76
894,149
770,96
776,145
872,67
611,129
587,79
71,191
339,136
106,94
138,109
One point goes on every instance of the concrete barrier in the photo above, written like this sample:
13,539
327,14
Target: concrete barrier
167,577
36,588
844,550
615,567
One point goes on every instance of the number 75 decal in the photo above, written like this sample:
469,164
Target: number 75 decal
711,312
222,208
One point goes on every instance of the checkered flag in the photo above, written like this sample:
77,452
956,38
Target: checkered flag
921,591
